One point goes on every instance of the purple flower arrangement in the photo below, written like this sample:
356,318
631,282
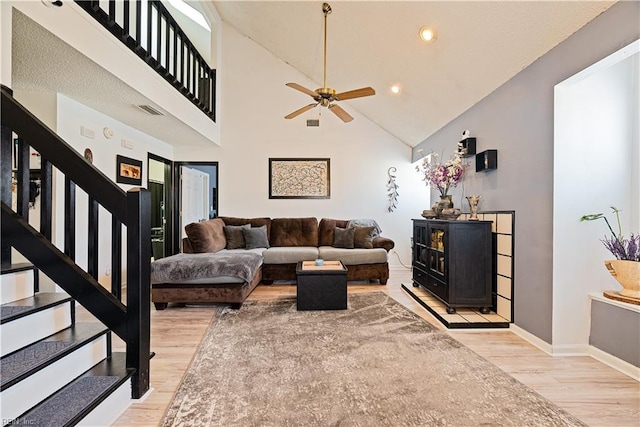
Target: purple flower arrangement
441,176
620,247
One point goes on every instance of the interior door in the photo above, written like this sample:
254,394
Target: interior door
194,196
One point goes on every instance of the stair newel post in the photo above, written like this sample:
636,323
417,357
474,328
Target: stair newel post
138,288
6,150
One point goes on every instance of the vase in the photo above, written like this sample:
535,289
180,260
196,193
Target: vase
444,203
473,207
627,273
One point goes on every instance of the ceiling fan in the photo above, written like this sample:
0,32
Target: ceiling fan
326,96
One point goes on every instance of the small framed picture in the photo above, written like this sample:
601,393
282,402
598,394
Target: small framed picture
128,171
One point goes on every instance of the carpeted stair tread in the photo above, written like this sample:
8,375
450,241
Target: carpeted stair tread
24,362
14,268
17,309
74,401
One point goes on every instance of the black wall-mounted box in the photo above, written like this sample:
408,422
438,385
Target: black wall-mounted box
467,147
487,160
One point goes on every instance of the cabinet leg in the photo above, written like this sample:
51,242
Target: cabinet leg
416,285
451,310
485,310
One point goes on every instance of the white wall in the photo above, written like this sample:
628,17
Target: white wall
595,154
71,116
255,101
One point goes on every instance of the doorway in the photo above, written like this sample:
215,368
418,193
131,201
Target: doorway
160,186
196,195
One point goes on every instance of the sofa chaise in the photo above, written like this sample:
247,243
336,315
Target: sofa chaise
225,258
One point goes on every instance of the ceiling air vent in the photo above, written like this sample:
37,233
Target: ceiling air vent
150,110
313,122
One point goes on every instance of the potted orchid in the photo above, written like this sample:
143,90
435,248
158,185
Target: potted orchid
626,267
442,176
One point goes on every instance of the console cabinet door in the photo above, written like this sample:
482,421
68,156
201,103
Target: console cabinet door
457,267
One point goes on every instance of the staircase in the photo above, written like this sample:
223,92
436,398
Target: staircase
55,371
48,360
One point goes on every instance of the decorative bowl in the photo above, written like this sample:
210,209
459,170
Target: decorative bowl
450,214
429,214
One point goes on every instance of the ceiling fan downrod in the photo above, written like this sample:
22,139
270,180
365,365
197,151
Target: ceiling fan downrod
326,9
326,96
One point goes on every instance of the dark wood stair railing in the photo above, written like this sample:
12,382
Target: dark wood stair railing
174,56
131,322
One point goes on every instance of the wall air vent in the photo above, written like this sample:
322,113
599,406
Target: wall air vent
150,110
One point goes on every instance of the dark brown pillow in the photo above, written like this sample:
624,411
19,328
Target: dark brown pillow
235,236
363,237
206,236
343,237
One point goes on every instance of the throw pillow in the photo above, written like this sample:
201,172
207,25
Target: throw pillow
206,236
363,237
256,237
366,222
234,235
343,237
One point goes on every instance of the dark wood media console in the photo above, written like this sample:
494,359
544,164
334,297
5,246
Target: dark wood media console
452,260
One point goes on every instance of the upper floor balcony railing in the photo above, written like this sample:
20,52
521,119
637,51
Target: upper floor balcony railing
148,29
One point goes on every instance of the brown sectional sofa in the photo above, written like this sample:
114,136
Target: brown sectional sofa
290,240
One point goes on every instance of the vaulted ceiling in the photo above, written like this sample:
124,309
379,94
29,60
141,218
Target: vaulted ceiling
480,45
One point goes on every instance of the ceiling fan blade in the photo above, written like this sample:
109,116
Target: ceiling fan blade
357,93
302,89
338,111
300,111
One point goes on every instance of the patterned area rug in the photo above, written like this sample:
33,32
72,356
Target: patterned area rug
374,364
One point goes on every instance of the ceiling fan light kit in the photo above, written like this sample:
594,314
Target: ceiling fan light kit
327,96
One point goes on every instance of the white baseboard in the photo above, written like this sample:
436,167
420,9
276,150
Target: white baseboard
570,350
532,339
618,364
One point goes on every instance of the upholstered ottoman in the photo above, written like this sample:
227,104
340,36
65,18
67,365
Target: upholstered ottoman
205,277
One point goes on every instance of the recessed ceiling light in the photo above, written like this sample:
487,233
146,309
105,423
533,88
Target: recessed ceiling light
428,34
395,89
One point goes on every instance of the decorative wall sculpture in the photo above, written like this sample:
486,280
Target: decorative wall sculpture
392,189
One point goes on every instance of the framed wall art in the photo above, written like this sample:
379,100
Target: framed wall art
128,171
299,178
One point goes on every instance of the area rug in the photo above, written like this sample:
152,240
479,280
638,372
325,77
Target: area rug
374,364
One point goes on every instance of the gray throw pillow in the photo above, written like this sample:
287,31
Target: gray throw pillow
234,236
343,237
363,237
256,237
366,222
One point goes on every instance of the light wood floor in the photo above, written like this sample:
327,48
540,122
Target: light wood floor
595,393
